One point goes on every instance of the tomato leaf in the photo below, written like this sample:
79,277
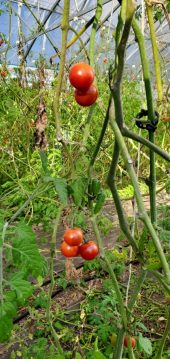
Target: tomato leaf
25,232
99,202
97,355
61,189
145,344
8,308
25,251
22,288
78,356
6,326
78,188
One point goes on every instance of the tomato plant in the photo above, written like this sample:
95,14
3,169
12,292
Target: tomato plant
86,98
69,251
89,250
81,76
73,237
133,341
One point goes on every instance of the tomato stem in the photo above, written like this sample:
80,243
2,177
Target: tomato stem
111,272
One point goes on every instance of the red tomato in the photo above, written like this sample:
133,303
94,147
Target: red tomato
133,341
105,60
73,237
69,251
4,73
89,250
86,98
81,76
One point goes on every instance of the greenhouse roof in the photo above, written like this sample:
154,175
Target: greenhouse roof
15,15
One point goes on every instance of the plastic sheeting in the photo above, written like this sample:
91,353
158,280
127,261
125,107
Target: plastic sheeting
15,15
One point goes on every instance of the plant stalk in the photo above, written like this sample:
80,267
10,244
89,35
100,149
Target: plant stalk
134,136
163,339
111,272
149,10
143,213
151,115
93,32
52,281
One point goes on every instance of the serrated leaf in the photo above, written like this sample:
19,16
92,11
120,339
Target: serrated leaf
165,236
145,344
27,254
25,251
78,188
142,326
6,326
8,308
22,288
25,232
61,188
99,202
98,355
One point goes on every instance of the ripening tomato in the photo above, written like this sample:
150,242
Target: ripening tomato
105,60
133,341
69,251
113,339
4,73
81,76
73,237
86,98
1,41
89,250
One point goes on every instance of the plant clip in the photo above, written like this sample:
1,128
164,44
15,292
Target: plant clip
147,125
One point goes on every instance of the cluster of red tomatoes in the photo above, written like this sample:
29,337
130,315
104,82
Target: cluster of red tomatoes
81,77
113,339
73,245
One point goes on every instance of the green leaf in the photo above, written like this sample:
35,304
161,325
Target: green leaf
25,251
22,288
165,236
61,188
6,326
99,202
142,326
168,187
145,344
27,254
94,187
78,356
78,188
8,308
97,355
25,232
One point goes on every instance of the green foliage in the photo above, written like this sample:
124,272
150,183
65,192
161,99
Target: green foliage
25,260
77,190
145,345
25,251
